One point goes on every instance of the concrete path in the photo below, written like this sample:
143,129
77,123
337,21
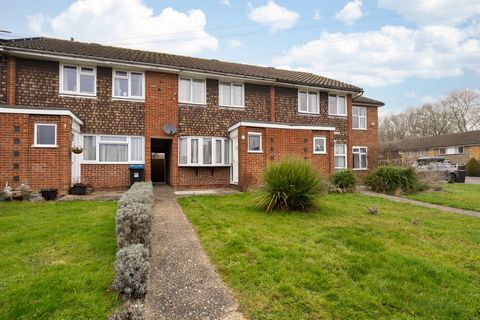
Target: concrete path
423,204
182,284
472,180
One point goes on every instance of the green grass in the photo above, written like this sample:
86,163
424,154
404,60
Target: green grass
341,263
57,260
458,195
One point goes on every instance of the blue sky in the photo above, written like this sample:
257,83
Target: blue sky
402,52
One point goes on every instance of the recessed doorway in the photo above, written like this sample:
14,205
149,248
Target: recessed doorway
161,150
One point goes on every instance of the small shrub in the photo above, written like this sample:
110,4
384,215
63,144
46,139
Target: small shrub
473,168
345,179
129,311
290,185
133,224
433,180
392,180
140,192
131,271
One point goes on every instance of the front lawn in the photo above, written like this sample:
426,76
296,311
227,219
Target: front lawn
341,263
57,260
458,195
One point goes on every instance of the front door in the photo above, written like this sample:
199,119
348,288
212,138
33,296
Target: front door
234,168
159,167
76,157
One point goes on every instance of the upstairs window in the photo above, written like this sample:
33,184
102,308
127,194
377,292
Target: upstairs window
359,118
308,102
231,95
45,135
203,152
128,84
451,150
78,80
192,91
359,158
337,105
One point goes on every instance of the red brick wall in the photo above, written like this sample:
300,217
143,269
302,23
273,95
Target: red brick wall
106,176
3,79
43,167
369,139
37,85
278,144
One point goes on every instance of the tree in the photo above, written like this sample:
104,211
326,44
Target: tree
473,168
464,106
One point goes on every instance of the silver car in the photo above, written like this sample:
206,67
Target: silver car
444,168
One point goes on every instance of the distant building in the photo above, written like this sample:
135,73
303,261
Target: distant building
456,147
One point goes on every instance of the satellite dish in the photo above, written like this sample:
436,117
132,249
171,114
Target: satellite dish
169,129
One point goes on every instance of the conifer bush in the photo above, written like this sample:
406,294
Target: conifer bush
473,168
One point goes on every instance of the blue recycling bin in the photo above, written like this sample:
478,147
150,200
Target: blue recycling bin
137,173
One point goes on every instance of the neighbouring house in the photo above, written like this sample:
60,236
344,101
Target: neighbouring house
456,147
191,122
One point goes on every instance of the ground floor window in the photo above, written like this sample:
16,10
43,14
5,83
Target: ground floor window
254,142
45,135
340,156
319,145
203,151
113,149
360,158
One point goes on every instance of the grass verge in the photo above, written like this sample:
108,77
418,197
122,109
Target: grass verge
457,195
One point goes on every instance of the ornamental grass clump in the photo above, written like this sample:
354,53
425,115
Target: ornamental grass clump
392,179
290,185
345,180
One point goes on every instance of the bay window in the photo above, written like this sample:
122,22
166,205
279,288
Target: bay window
128,84
231,94
359,118
340,156
78,80
359,158
308,102
192,91
203,151
113,149
337,105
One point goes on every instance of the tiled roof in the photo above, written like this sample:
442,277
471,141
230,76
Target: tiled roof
365,100
444,140
96,51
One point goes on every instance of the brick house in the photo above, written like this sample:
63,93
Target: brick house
191,122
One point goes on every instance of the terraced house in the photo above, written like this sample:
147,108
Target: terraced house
82,112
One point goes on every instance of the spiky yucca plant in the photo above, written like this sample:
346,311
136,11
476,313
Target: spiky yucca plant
290,185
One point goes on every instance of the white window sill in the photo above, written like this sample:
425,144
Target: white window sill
45,146
77,95
128,99
306,113
360,129
97,162
232,107
316,152
360,169
196,165
192,103
338,115
253,151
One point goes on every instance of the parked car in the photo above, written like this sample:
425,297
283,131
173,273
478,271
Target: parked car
451,172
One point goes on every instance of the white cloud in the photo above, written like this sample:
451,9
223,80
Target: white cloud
129,23
447,12
226,3
389,55
423,99
275,16
234,43
316,15
350,13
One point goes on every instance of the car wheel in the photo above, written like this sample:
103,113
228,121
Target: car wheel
452,178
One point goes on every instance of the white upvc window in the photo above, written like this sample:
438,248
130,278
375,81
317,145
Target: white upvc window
308,102
319,145
359,118
337,105
78,80
128,84
340,156
45,135
203,152
450,150
231,94
192,91
255,142
109,149
360,161
421,152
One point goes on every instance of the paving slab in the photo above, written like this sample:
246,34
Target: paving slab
183,283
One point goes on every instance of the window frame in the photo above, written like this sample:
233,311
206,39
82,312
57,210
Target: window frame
256,134
324,144
346,105
199,150
231,84
129,86
342,155
191,91
78,70
360,154
359,116
129,149
309,92
451,154
35,135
